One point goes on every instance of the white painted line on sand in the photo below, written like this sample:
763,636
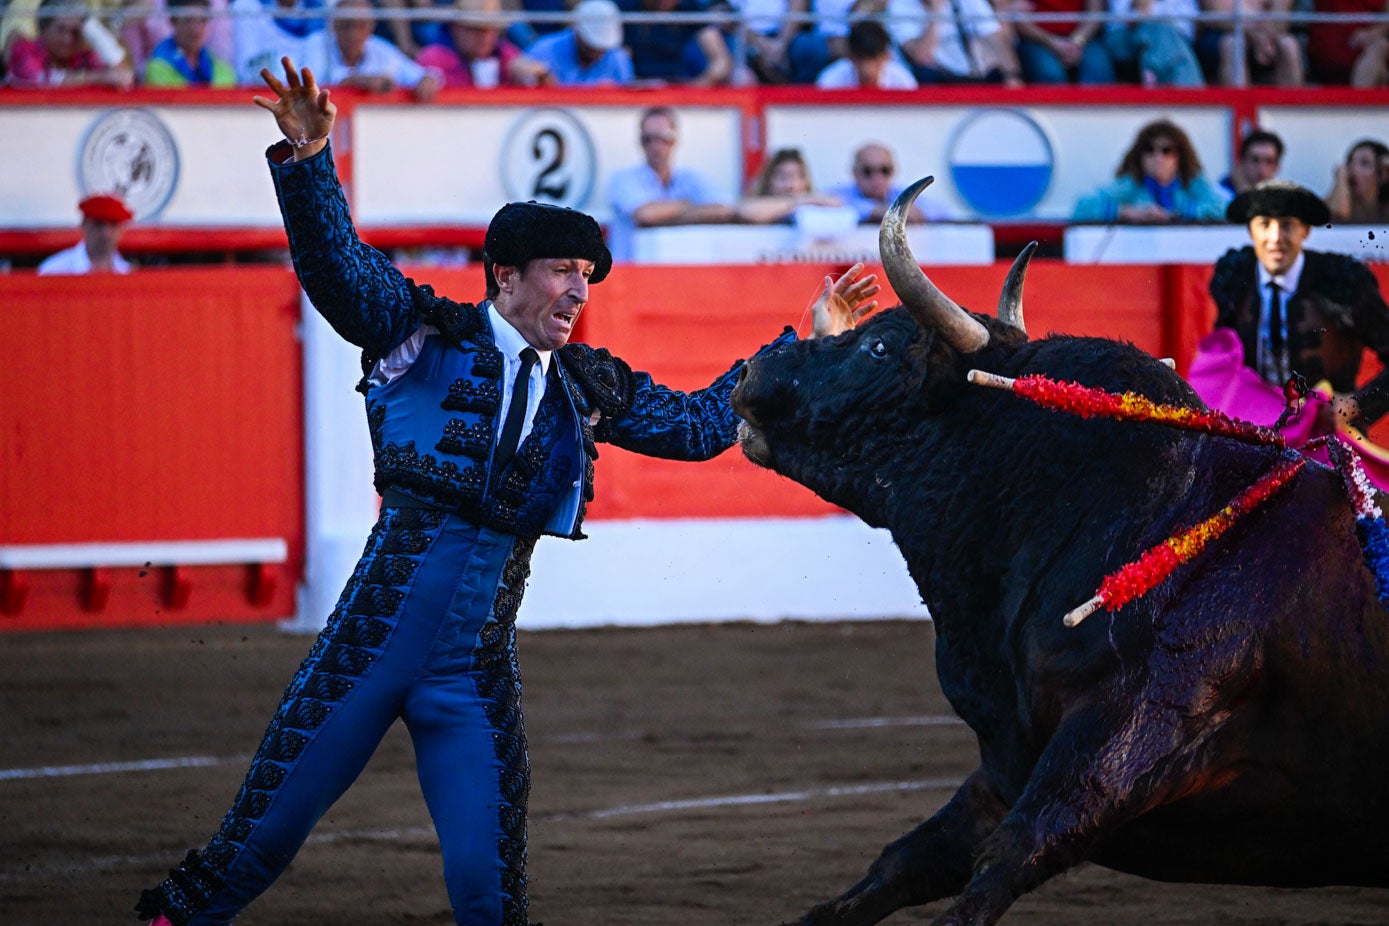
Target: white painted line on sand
776,797
118,768
173,762
107,862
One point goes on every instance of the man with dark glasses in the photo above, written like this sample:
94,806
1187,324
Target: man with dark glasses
875,186
657,192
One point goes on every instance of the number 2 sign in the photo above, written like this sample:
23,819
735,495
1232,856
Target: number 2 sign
548,156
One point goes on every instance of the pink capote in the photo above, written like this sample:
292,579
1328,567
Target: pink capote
1223,382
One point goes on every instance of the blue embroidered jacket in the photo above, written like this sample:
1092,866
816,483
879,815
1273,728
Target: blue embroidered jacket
433,428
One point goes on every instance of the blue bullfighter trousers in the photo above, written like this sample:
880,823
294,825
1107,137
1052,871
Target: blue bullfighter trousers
424,631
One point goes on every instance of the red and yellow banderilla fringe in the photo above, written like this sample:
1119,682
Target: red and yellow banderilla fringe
1088,402
1143,574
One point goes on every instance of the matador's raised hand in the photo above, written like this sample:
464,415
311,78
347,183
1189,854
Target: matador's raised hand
843,303
302,109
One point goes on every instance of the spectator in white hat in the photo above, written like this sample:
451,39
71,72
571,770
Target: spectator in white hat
590,51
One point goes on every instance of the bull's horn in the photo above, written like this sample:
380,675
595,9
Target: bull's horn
1010,300
931,308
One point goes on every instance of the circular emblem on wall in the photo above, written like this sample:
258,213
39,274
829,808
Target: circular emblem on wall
548,156
1001,162
130,152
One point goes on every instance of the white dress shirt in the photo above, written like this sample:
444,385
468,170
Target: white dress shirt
510,343
76,260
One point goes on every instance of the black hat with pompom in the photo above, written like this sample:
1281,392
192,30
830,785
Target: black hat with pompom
524,231
1278,198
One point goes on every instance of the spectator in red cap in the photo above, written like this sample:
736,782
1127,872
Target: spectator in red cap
104,217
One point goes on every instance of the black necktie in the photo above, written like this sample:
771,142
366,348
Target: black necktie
516,413
1275,322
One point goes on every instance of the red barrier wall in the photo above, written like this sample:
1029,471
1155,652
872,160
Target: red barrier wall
687,324
163,406
167,405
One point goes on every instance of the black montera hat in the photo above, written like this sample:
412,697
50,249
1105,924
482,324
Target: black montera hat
1278,198
522,231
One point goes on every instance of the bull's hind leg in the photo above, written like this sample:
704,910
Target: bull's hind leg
932,861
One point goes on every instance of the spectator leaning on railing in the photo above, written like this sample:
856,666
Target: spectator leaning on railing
264,31
146,24
872,62
872,188
1349,52
183,59
588,53
1159,181
1272,54
658,192
1056,51
962,41
19,19
781,188
477,54
1150,42
688,53
63,54
350,54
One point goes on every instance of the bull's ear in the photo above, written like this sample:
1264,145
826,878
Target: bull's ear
1010,300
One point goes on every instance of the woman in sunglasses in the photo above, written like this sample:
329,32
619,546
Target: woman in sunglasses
1159,181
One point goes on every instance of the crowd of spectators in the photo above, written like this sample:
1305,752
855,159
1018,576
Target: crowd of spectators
1160,180
888,44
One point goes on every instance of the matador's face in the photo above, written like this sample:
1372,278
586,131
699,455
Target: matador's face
543,299
1278,240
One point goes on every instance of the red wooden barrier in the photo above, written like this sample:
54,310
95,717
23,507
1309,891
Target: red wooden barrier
686,324
163,406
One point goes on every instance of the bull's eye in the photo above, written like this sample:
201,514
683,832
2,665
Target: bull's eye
877,348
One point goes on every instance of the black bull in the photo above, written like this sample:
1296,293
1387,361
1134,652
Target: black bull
1231,726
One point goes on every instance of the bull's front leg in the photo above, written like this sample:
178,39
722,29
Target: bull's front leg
1101,769
932,861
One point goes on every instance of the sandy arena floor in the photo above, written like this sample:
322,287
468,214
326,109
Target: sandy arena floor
693,775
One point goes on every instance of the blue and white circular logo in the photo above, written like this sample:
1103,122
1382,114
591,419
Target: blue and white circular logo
130,152
548,156
1001,162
